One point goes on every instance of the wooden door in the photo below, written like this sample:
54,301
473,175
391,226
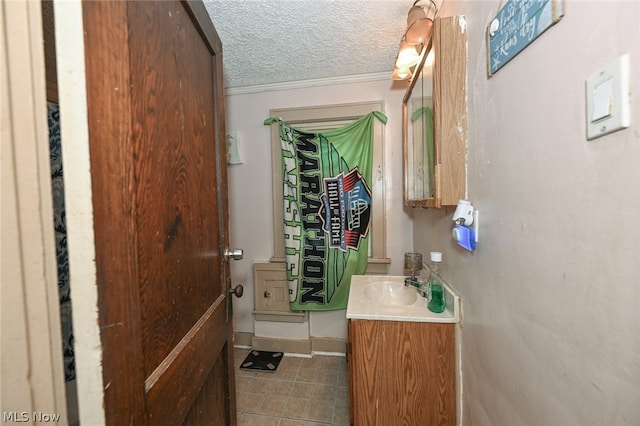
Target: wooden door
158,166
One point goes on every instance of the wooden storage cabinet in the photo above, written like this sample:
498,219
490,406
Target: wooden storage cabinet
401,373
448,87
271,294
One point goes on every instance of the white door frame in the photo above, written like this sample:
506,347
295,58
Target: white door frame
70,64
32,361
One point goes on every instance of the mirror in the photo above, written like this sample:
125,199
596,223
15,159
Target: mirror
419,135
420,160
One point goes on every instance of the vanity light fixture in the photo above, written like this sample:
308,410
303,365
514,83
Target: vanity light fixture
416,37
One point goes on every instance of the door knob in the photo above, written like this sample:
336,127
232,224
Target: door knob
235,254
238,291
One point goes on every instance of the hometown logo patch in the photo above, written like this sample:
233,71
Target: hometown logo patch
346,210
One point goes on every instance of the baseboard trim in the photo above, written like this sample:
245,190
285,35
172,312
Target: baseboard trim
324,345
281,345
329,345
242,338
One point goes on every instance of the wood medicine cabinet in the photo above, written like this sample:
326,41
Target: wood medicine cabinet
434,120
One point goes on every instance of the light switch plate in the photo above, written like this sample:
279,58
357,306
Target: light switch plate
234,151
608,103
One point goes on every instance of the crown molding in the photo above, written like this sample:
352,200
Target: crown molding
300,84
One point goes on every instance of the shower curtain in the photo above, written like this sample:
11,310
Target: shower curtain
327,210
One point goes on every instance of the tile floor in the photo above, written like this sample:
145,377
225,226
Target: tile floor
301,392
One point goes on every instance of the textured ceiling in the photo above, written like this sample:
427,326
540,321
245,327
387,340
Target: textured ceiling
274,41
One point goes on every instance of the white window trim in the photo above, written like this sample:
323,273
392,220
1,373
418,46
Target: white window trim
328,117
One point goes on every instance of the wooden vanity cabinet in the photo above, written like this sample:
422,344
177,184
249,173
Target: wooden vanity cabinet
401,373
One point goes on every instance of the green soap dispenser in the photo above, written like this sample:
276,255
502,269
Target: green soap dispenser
435,286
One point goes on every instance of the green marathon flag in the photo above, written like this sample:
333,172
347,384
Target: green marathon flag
326,180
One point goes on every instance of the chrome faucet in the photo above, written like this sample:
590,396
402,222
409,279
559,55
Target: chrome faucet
412,262
409,281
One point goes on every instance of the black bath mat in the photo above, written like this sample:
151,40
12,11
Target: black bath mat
261,360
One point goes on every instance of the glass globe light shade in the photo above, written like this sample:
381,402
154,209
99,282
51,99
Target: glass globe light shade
401,74
408,56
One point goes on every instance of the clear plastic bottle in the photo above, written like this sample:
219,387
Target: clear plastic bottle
434,263
435,288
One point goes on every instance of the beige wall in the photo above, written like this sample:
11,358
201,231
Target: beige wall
552,296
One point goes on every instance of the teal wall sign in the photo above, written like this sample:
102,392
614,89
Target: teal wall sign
516,25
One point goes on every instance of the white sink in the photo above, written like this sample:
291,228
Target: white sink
390,293
384,297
